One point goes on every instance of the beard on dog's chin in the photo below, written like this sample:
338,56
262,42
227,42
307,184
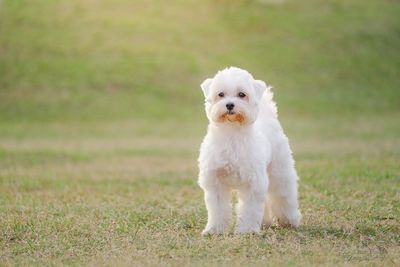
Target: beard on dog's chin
232,117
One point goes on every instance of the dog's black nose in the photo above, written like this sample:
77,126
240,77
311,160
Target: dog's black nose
230,106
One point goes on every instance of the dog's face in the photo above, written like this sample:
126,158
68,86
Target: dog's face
232,96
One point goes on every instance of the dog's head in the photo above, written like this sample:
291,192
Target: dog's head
232,96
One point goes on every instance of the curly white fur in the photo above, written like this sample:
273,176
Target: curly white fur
245,149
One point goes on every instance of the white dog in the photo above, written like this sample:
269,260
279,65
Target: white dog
245,149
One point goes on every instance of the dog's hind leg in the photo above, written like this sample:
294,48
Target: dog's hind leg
282,197
268,217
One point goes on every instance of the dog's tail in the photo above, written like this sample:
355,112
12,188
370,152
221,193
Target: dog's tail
269,101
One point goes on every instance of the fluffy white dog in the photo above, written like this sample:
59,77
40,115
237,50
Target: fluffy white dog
245,149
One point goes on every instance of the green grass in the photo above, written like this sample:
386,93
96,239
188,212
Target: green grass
101,117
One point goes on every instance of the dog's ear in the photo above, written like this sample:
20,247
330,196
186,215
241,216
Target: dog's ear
205,86
260,87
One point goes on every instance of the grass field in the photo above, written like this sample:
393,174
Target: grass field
101,117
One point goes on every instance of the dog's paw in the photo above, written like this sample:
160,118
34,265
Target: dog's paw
292,221
244,229
213,230
267,222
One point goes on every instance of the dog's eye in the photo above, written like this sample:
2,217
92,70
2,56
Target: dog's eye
241,95
221,94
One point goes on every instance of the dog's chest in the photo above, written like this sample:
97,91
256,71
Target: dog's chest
230,175
234,163
234,158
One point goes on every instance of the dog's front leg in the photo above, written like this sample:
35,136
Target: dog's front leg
250,207
218,203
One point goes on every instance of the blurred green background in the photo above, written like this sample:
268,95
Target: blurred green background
112,60
101,117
